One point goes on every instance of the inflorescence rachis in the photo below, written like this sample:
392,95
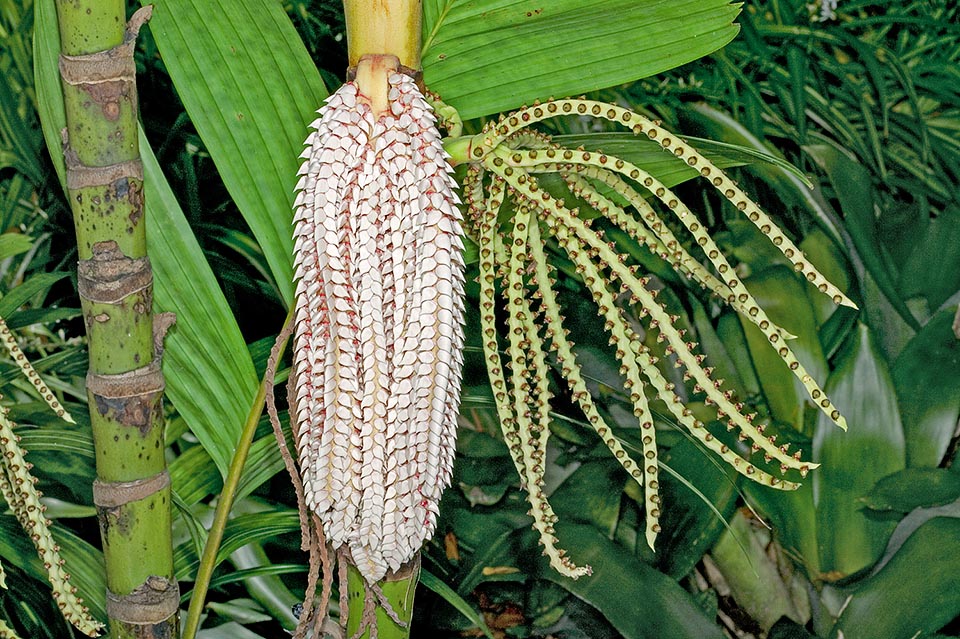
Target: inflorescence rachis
505,161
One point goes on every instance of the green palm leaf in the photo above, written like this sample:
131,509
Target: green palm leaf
250,88
492,56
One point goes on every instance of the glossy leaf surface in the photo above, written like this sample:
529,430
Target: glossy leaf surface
646,604
250,88
927,379
914,593
853,461
492,56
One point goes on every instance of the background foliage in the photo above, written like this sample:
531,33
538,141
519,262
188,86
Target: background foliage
866,105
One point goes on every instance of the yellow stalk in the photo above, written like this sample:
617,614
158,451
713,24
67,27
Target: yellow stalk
384,27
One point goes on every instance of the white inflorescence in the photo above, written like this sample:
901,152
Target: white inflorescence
379,336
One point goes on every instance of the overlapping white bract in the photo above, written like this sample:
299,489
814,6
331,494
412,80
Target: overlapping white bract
379,336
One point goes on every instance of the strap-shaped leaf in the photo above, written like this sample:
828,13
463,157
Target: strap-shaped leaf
85,561
242,530
250,88
209,374
927,597
849,539
646,603
926,376
491,56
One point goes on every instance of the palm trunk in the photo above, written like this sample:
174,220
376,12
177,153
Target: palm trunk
125,383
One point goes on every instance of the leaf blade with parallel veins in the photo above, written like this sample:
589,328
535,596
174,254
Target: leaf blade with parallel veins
493,56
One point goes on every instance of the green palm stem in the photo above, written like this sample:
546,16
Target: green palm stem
125,383
398,590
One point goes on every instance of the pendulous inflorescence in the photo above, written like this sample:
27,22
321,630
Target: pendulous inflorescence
506,160
378,325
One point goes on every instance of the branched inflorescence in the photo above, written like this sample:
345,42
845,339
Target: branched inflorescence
17,485
505,160
377,347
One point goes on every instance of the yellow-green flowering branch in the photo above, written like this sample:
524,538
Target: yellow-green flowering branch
509,156
17,486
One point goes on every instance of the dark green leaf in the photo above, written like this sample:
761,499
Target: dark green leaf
730,334
591,495
793,517
719,350
239,532
914,593
926,376
690,526
786,629
30,316
434,583
26,605
250,88
472,443
36,285
20,137
752,574
83,561
68,361
193,476
64,455
485,494
643,604
249,573
486,537
783,296
789,187
266,588
933,268
818,248
797,63
854,189
651,157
